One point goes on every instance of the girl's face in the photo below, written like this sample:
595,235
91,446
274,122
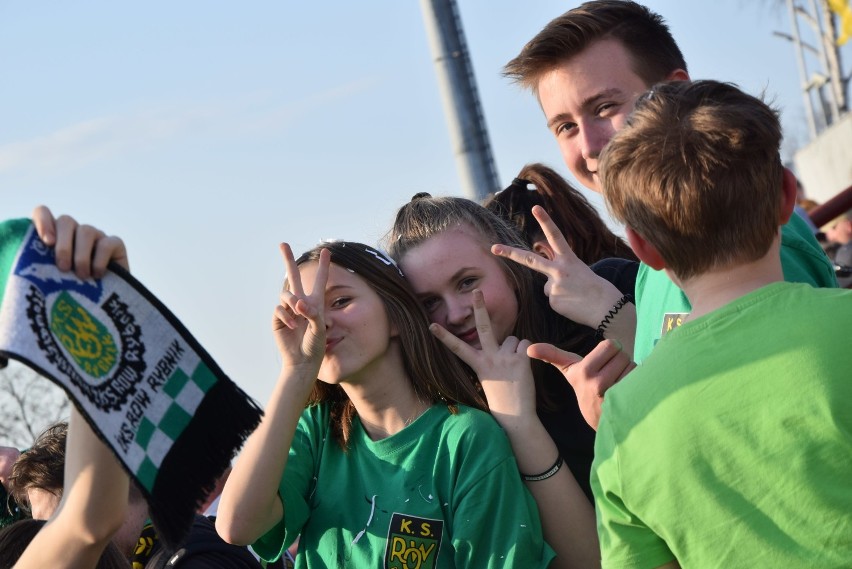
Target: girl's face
358,332
444,271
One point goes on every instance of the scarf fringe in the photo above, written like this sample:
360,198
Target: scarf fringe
220,426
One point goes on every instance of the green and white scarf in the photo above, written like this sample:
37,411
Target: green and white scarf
144,384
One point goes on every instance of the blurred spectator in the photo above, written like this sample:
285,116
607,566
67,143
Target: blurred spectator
38,479
37,475
804,206
839,231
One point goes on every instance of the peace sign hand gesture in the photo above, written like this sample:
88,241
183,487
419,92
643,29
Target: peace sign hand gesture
574,290
503,369
298,322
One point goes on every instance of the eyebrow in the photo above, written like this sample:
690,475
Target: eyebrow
336,288
587,102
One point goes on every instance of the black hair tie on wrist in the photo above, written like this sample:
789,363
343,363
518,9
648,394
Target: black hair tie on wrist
599,333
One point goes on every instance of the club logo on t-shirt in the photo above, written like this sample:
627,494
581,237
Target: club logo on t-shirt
413,542
672,320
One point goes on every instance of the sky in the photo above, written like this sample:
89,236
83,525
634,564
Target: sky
204,133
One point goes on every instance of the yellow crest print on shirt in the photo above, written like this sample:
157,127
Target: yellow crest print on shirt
86,339
413,542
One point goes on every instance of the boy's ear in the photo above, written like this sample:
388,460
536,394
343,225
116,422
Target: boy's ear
678,75
646,252
788,199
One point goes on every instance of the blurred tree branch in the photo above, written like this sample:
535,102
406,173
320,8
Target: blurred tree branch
28,404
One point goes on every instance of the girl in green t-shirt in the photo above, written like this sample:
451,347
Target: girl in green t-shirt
375,449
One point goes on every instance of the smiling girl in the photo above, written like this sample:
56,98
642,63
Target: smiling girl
443,245
489,310
388,459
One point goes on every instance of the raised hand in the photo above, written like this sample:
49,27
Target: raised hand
298,322
503,370
85,249
574,290
591,376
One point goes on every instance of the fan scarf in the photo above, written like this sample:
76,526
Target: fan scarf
143,383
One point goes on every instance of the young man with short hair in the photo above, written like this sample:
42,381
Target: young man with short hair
587,67
730,445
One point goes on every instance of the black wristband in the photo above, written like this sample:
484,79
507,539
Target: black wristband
546,474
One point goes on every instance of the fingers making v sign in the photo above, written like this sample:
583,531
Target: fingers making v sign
298,322
574,290
503,369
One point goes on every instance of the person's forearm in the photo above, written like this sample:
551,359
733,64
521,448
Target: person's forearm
622,327
93,506
567,517
249,505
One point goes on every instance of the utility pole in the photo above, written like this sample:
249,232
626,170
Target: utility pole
827,83
803,72
460,98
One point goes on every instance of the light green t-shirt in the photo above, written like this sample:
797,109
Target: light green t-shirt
731,445
661,305
443,492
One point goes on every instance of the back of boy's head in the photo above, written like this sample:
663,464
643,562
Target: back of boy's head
645,35
697,173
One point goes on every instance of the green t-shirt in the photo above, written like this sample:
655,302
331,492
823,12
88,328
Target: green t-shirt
443,492
731,445
661,305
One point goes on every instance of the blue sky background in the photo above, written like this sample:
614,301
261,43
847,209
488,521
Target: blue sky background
206,132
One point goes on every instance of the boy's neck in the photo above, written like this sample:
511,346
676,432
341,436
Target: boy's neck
716,288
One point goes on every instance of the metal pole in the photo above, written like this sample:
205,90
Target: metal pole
803,72
823,59
460,98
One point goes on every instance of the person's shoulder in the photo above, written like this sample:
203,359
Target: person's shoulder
317,413
204,549
315,421
462,417
656,283
824,297
802,257
467,423
648,380
620,272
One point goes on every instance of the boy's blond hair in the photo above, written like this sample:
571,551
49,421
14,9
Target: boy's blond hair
697,173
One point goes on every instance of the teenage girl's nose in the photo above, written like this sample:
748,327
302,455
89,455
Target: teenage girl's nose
459,311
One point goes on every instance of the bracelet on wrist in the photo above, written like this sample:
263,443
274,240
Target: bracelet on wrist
607,320
546,474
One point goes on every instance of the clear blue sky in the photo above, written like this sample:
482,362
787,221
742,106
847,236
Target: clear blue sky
206,132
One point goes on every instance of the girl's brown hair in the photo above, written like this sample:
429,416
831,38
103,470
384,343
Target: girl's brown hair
436,375
586,233
426,216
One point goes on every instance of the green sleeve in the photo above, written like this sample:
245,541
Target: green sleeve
626,542
297,484
495,519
